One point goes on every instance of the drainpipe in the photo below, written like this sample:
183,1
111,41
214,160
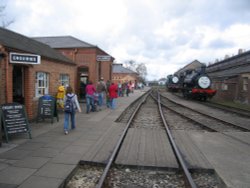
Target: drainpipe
7,78
76,72
5,58
75,52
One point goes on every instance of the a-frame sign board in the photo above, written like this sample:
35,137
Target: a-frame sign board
14,119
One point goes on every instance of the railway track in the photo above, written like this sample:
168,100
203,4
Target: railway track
205,120
210,123
225,108
134,122
146,115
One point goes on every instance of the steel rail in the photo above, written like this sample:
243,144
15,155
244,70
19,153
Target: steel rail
203,125
118,145
183,165
226,108
206,115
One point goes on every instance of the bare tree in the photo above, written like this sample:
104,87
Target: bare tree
130,64
141,69
4,23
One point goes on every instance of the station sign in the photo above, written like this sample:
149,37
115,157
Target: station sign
24,58
103,58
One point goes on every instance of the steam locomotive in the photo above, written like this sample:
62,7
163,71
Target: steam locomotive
194,84
173,83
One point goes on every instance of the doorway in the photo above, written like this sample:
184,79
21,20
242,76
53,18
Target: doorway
18,84
83,77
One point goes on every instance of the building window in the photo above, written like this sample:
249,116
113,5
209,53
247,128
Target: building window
245,83
42,84
64,79
224,87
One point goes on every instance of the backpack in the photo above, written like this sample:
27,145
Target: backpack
69,106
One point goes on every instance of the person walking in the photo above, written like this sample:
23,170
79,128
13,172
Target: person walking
70,105
108,83
113,88
90,90
101,88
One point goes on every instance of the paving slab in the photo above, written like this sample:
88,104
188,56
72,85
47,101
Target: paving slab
229,157
3,185
67,158
15,154
55,170
41,182
31,162
45,152
15,175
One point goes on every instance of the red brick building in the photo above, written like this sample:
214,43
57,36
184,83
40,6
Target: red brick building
122,74
92,62
30,69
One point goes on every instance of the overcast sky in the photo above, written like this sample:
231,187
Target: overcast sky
164,34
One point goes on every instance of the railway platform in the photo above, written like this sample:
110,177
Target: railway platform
46,160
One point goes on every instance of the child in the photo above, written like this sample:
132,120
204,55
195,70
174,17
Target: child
95,106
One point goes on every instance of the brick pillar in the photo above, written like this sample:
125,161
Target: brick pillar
28,87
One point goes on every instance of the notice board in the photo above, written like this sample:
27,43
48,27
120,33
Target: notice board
14,119
47,108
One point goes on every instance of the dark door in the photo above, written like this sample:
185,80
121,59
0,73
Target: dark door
18,89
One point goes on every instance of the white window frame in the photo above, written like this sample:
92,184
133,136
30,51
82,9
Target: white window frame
245,83
64,79
42,84
224,86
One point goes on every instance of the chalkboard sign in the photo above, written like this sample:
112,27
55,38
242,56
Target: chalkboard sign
14,119
47,108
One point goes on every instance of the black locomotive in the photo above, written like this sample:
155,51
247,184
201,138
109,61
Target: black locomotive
197,84
173,83
193,83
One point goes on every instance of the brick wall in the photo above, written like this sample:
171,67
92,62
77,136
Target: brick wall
53,68
86,57
124,77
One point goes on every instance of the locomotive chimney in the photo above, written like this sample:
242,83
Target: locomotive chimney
240,51
203,69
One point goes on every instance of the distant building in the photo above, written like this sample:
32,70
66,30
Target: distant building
162,81
191,66
122,74
231,78
92,62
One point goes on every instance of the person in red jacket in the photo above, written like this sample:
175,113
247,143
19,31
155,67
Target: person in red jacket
113,89
90,90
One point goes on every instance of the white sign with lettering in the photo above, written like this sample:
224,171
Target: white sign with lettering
103,58
24,58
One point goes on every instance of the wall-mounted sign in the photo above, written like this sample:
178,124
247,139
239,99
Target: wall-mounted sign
103,58
24,58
